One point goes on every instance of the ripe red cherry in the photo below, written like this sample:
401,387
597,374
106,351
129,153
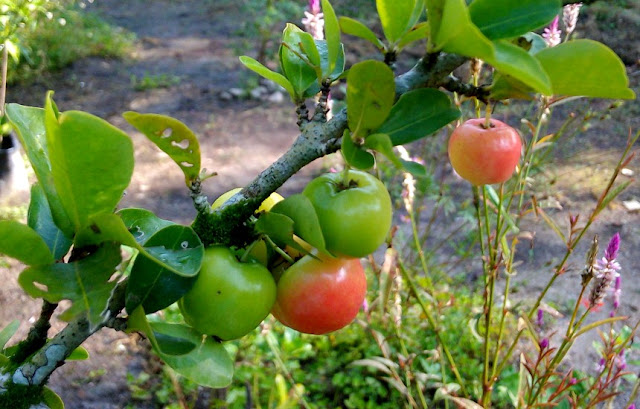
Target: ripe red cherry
484,156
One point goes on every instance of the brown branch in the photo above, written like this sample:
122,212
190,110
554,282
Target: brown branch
452,84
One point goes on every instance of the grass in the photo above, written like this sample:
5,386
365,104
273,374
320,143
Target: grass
70,35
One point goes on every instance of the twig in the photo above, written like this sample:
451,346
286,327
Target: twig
37,336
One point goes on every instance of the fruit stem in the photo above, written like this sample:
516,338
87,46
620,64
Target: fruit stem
487,117
247,251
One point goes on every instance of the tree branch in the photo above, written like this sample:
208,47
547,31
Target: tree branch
227,224
40,366
37,336
452,84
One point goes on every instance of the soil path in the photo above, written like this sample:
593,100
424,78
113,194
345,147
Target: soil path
193,41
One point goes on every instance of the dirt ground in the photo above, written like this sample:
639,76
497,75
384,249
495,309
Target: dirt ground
193,41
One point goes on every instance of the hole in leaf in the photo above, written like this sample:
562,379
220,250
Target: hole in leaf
184,244
183,144
40,286
186,164
166,133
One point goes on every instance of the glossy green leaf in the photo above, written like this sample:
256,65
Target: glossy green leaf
380,142
585,68
21,242
417,33
151,284
395,17
357,29
172,345
356,156
415,168
173,137
435,10
78,354
499,19
260,69
297,59
7,332
332,35
512,60
306,224
91,162
279,228
208,364
142,223
51,399
505,87
85,282
181,261
338,68
29,125
457,34
40,219
532,43
371,91
417,114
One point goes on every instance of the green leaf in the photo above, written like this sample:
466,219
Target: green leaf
435,10
457,34
499,19
332,35
371,92
85,282
380,142
23,243
40,219
512,60
279,228
417,114
585,68
260,69
306,224
395,17
357,29
172,137
91,162
418,32
338,69
142,223
151,284
110,227
7,332
297,65
208,364
172,345
51,399
355,155
78,354
29,125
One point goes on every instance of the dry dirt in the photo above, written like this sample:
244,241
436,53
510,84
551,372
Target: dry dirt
193,40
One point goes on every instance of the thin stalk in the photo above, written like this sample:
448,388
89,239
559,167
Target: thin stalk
423,259
3,77
501,327
433,325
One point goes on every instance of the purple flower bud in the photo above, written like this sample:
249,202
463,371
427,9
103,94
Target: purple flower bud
611,253
573,381
314,6
633,406
544,343
540,319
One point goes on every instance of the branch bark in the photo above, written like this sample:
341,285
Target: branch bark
40,366
317,139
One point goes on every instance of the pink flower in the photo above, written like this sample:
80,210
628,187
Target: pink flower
552,33
606,272
570,14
